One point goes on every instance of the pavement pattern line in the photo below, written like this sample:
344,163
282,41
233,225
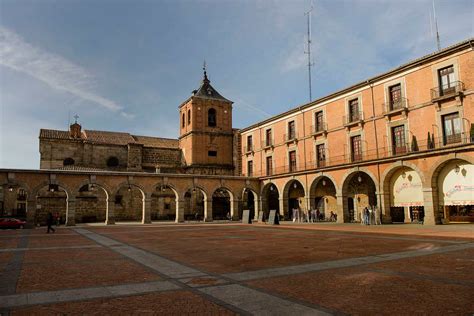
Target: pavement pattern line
11,273
242,300
71,295
49,248
343,263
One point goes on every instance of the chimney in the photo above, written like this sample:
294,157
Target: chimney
75,130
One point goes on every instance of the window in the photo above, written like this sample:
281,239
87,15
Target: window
118,199
356,149
212,153
183,120
398,140
320,155
291,130
451,128
446,80
395,95
354,110
269,166
112,162
68,162
250,168
249,143
268,137
211,118
292,159
318,121
189,117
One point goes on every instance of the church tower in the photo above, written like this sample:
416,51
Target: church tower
206,135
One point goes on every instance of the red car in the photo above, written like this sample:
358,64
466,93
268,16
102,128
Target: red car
12,223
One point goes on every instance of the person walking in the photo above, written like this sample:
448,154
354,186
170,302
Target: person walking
49,222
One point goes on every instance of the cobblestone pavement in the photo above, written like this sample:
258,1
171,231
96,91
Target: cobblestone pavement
214,269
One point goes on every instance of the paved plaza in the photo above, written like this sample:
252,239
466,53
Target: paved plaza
210,269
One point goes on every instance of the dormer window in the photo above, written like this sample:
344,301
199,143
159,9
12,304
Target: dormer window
211,117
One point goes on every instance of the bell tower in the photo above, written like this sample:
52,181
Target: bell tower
206,135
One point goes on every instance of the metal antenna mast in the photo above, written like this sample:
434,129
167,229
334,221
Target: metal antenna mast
436,26
308,51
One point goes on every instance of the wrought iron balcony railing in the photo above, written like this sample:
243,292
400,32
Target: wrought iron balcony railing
448,90
353,118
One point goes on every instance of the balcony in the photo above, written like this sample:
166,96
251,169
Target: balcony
396,107
356,118
319,129
289,138
267,144
448,91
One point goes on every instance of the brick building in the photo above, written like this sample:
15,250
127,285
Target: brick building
400,143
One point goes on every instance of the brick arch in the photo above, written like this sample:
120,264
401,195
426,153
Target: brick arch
347,175
176,197
131,183
69,199
20,184
102,185
312,191
266,186
389,172
286,200
60,184
191,187
318,178
433,172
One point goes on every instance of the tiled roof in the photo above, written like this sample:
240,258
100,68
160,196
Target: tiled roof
112,138
115,138
148,141
55,134
206,91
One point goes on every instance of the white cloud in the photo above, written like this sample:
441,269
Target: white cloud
56,71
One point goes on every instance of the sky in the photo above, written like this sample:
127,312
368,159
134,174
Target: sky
126,65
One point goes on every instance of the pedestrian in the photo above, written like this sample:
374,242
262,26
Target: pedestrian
364,216
228,216
318,213
49,222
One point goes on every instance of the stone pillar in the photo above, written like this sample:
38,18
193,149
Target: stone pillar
146,219
383,201
340,208
281,203
406,211
234,209
179,211
430,207
261,202
257,204
110,220
208,210
31,213
71,212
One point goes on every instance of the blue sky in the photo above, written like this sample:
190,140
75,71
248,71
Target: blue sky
127,65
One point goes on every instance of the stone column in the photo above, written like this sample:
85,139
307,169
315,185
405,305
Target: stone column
430,207
30,213
71,212
340,208
234,209
208,210
383,201
257,204
110,220
179,211
281,203
146,211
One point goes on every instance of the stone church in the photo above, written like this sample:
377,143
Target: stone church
207,144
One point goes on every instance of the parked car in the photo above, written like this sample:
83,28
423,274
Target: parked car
12,223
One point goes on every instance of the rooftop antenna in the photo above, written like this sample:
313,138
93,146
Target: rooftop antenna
308,49
436,26
76,117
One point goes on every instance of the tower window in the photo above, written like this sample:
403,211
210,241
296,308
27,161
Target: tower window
189,117
68,162
211,117
212,153
183,120
112,162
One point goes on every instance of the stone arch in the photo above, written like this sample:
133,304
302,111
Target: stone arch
270,197
450,201
92,203
294,195
395,183
196,204
50,202
162,205
14,199
250,200
323,197
129,209
358,191
222,203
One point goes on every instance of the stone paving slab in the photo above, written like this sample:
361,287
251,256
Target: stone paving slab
356,291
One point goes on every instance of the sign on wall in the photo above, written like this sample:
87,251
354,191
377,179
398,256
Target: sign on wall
406,188
456,183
